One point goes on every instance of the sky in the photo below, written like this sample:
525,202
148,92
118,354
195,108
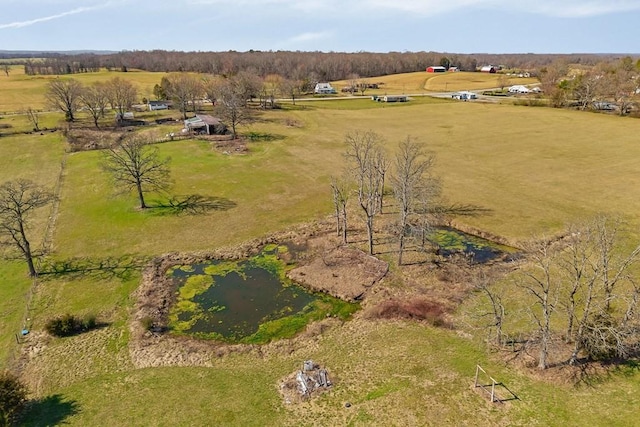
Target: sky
454,26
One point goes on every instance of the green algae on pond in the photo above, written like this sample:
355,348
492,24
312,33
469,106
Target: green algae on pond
449,240
248,301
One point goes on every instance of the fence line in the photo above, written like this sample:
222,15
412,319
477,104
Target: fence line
46,246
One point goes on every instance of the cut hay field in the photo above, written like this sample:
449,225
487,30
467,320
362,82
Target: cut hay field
534,169
20,91
423,82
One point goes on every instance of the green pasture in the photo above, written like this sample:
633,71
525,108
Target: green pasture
533,169
14,293
424,378
38,158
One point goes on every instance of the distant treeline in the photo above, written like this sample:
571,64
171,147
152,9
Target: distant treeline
319,66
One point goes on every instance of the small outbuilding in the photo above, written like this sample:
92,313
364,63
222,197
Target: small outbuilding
464,95
158,105
519,89
488,69
453,69
436,69
393,98
203,123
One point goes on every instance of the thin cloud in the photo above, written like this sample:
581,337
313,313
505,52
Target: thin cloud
21,24
308,37
554,8
579,9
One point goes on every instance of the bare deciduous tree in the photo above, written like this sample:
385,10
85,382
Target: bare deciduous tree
541,283
34,118
17,201
270,86
503,81
340,190
364,154
231,105
586,273
290,89
6,68
551,80
136,165
613,266
482,283
94,99
381,164
409,181
64,95
183,89
210,87
363,85
621,84
586,88
121,94
247,85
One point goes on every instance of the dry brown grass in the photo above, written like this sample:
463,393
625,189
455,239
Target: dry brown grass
414,308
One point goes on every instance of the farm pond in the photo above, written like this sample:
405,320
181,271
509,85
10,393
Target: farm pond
246,301
253,301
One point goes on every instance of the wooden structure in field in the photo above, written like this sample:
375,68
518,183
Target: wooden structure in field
486,383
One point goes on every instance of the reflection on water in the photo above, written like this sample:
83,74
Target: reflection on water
449,241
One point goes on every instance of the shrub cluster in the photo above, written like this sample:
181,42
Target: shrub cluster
69,324
418,309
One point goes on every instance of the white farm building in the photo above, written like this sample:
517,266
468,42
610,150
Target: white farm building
324,88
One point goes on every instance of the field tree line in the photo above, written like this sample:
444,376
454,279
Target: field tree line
312,66
589,88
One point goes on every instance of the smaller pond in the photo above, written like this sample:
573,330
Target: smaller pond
246,301
450,241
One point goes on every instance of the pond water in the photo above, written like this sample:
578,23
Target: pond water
450,241
245,301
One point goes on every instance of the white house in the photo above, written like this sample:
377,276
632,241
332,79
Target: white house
324,88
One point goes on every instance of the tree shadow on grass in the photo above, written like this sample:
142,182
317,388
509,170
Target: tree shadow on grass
99,268
192,204
49,411
263,136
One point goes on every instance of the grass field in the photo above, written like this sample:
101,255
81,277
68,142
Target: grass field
20,91
423,82
535,169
